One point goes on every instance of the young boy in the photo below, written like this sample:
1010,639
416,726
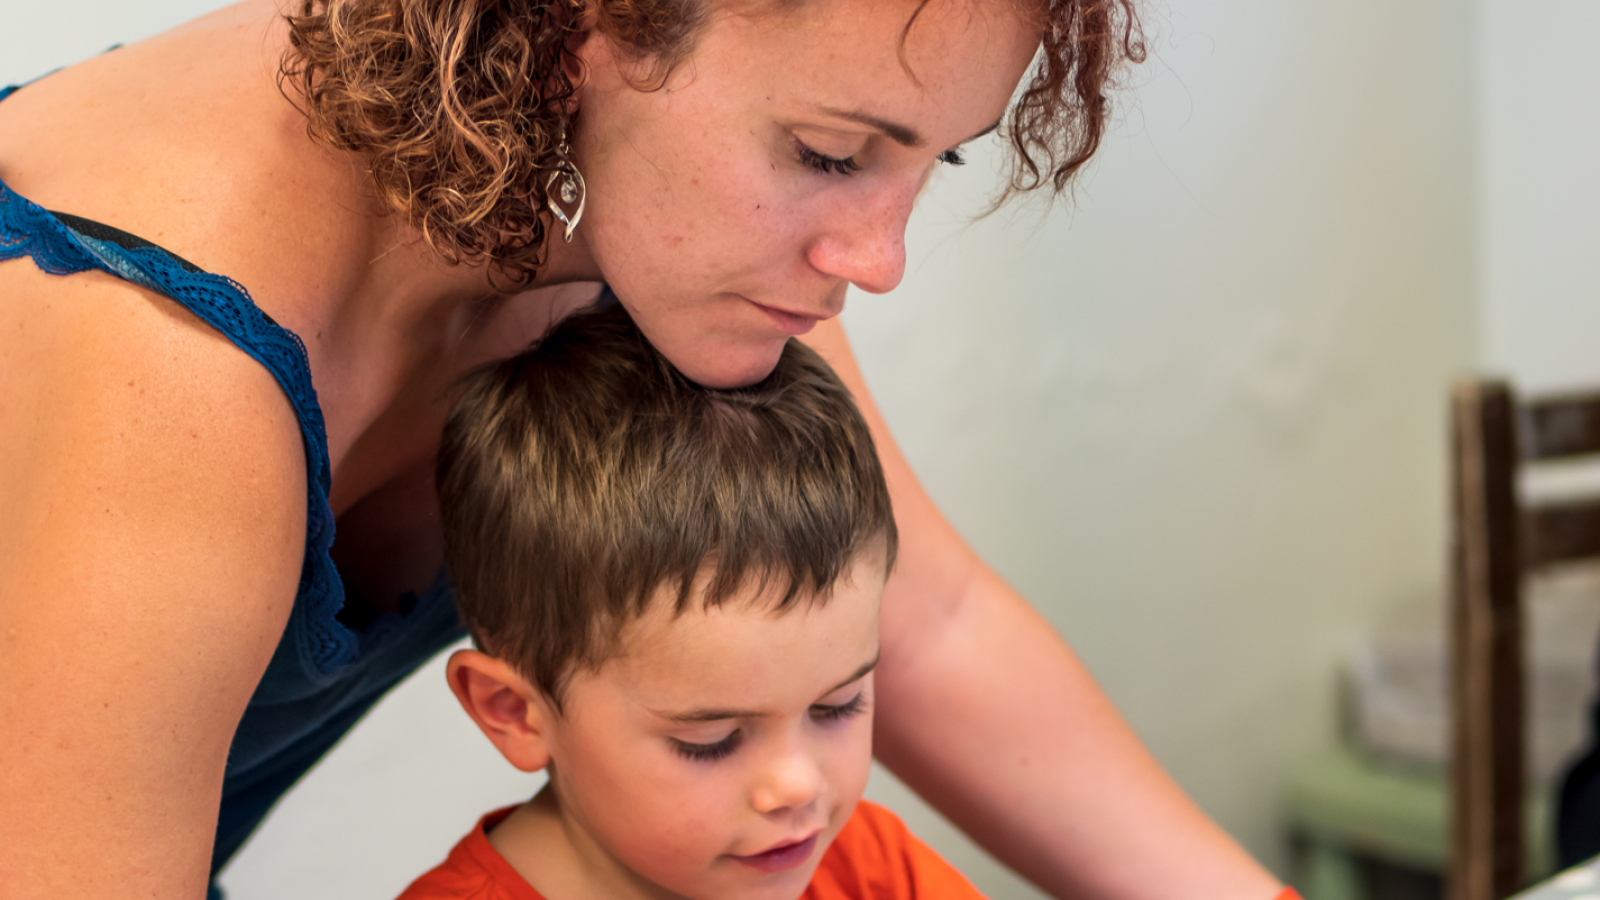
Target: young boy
675,592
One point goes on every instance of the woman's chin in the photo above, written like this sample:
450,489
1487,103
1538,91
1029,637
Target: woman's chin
730,367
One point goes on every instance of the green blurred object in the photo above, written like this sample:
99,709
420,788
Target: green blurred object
1344,806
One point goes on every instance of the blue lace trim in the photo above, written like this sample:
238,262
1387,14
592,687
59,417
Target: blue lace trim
27,229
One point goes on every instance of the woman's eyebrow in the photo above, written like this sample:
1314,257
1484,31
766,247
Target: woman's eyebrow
903,135
990,130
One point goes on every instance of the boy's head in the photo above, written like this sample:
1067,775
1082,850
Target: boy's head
676,590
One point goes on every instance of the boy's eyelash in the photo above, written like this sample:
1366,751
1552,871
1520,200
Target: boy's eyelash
724,748
829,164
854,707
953,158
706,752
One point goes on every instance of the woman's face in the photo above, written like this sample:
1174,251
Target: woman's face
730,209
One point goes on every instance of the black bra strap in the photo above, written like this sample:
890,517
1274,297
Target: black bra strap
92,229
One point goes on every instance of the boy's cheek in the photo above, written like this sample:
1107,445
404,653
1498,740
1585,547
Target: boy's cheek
849,793
679,849
854,765
681,827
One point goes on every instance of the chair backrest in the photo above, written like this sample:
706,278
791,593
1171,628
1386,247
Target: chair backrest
1496,540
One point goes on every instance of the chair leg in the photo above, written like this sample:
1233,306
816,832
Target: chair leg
1486,650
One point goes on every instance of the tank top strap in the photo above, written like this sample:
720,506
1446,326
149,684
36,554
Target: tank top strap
65,245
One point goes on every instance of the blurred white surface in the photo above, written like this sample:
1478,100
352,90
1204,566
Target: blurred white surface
1538,127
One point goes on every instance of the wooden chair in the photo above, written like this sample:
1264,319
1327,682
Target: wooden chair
1496,542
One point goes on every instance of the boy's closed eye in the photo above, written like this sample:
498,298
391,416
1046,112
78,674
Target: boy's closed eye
711,751
824,712
707,752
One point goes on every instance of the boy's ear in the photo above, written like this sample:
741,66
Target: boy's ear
510,712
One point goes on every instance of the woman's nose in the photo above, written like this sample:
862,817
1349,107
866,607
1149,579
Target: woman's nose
791,780
865,242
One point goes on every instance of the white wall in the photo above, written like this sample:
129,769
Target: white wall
1539,130
39,37
1196,417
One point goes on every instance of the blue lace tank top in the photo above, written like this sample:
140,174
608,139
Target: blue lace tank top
323,676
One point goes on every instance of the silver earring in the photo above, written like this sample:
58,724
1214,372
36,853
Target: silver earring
571,190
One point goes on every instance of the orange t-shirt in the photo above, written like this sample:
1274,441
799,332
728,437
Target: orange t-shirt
874,858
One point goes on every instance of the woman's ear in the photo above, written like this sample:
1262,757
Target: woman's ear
509,711
579,44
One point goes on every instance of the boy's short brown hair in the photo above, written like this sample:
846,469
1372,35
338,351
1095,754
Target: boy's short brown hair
579,478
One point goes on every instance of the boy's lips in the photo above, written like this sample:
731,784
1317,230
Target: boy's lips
782,857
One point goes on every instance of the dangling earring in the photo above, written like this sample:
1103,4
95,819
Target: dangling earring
571,191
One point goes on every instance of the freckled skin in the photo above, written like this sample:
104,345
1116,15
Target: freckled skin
673,217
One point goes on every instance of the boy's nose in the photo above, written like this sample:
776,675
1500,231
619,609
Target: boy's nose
791,781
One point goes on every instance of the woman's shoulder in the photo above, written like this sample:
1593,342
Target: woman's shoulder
98,305
96,354
186,140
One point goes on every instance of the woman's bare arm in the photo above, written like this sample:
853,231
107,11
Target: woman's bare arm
989,716
152,519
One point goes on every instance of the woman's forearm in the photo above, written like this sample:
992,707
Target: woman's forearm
1041,770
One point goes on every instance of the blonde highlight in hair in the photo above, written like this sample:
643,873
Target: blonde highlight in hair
458,106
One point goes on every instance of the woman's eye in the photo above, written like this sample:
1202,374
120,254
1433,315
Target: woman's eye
829,164
706,752
856,706
952,158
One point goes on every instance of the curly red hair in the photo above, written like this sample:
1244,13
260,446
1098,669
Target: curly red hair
458,106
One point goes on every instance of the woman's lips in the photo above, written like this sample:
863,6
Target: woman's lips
789,323
781,858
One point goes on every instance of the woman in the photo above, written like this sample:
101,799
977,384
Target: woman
407,188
